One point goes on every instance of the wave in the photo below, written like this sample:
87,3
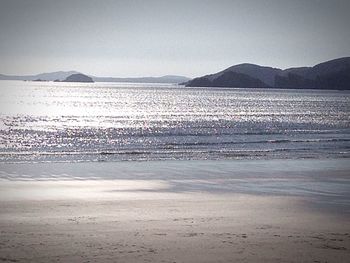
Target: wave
200,131
160,151
166,146
260,142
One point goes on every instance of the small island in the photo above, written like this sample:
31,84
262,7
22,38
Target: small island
78,78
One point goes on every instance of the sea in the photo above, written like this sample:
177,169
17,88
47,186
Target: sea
107,122
193,140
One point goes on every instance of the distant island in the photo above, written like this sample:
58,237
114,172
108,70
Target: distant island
78,78
59,76
333,74
52,76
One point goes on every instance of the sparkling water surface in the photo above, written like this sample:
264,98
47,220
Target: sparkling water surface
46,121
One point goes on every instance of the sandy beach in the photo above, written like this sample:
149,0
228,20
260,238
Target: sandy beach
138,220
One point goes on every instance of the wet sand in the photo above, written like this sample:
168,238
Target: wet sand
120,220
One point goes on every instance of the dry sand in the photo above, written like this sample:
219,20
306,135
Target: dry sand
139,221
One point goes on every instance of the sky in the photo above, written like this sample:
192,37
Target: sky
153,38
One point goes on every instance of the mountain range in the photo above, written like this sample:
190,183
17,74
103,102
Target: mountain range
333,74
62,75
58,75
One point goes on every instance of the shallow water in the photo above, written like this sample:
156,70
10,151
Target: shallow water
324,182
45,121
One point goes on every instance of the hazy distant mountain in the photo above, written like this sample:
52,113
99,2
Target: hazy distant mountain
62,75
58,75
333,74
163,79
78,78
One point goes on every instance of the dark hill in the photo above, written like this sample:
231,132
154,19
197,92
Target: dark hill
333,74
265,74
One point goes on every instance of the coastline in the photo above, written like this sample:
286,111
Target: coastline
176,211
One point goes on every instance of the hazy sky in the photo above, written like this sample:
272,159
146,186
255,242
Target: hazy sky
141,38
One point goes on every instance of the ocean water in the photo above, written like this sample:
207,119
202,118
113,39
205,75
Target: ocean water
72,122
